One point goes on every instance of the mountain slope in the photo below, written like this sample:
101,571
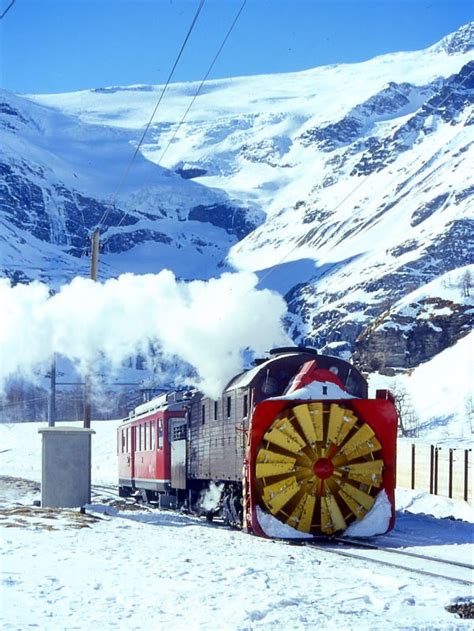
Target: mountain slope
346,187
58,180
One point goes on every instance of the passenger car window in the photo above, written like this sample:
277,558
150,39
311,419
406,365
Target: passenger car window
160,434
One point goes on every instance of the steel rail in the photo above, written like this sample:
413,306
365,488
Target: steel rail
99,489
360,557
406,553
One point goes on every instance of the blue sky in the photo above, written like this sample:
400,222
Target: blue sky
65,45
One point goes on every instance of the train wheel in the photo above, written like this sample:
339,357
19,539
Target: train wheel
318,468
146,496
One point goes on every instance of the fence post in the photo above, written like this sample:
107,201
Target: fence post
436,470
413,456
431,468
466,474
450,474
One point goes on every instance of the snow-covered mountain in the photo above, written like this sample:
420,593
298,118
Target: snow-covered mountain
348,188
59,178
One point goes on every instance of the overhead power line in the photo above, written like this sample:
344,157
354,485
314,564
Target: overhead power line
229,31
137,149
198,91
7,9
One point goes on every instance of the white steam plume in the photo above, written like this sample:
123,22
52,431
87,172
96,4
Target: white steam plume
206,324
211,497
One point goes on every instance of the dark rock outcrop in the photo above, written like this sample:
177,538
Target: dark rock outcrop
396,340
232,219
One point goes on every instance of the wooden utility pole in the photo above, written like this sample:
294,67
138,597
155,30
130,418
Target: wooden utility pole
95,239
52,393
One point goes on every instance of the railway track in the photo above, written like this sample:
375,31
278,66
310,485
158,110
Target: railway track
366,551
101,489
402,559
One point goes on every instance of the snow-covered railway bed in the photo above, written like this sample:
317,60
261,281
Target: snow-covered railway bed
400,557
126,562
451,570
390,550
128,566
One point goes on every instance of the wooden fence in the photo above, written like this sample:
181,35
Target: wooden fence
435,469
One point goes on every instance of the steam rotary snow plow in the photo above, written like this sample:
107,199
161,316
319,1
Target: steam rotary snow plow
293,445
321,467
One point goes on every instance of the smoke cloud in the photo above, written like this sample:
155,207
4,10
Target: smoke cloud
208,325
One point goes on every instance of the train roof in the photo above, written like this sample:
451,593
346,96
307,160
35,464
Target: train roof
245,379
167,400
288,360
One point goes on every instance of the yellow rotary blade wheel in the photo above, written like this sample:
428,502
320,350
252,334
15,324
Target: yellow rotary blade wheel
318,468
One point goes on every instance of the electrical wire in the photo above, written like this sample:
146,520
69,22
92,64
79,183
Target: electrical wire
196,94
137,149
7,9
36,268
23,402
64,394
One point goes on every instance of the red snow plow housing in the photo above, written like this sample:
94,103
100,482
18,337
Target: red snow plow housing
320,467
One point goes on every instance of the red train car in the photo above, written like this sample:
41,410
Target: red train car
151,447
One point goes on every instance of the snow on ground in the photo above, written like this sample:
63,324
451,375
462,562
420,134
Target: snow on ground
20,450
448,286
125,569
419,502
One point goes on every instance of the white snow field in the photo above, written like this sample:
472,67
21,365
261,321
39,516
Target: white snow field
155,569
